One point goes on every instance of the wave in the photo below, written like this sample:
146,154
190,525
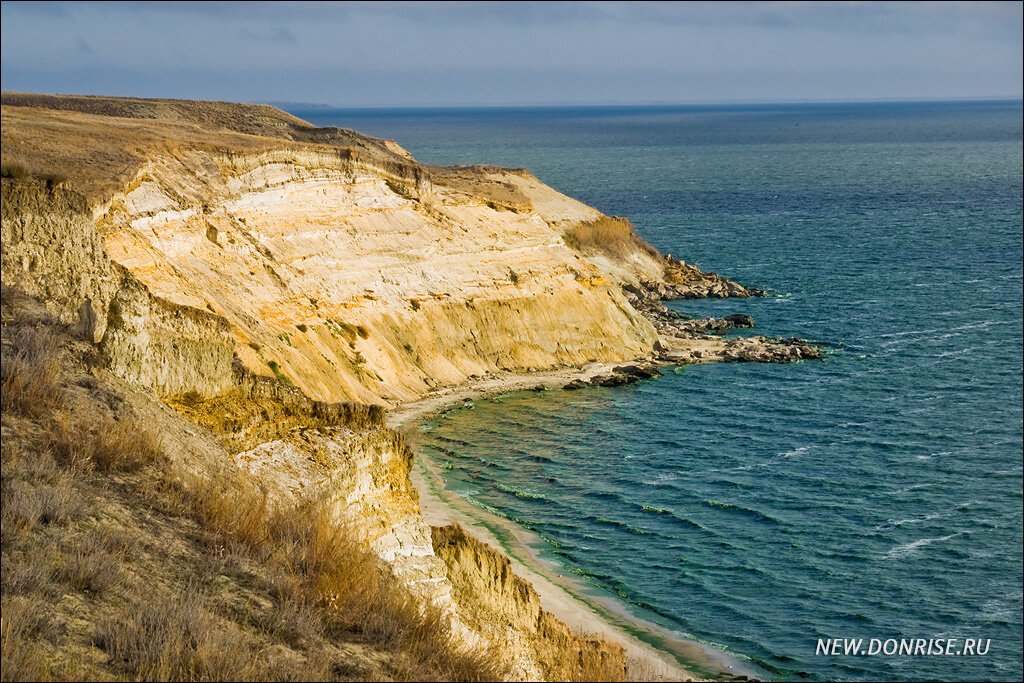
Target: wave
622,525
519,493
770,462
661,479
910,548
607,495
895,523
685,521
731,507
483,506
912,487
445,451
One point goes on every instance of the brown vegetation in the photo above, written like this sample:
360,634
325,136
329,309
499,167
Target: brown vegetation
614,236
14,170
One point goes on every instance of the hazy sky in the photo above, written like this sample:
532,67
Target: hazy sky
451,53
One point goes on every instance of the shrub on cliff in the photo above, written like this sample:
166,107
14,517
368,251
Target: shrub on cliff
614,236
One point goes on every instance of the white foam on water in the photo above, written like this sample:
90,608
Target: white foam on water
912,547
893,523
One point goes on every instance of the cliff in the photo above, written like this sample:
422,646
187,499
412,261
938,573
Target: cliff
278,285
338,263
249,270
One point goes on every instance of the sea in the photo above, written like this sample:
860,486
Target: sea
762,509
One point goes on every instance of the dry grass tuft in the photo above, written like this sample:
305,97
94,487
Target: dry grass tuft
173,638
614,236
230,506
21,656
14,171
88,567
24,576
31,371
26,505
88,443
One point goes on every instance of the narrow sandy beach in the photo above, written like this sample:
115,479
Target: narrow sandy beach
561,595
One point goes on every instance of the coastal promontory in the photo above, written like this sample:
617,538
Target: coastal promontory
208,310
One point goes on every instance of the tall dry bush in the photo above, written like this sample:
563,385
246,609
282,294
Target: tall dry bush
614,236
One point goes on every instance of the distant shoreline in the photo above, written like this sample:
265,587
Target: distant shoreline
316,109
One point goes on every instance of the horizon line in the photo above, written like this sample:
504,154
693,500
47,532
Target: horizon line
312,106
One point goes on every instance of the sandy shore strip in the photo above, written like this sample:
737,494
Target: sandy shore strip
403,415
561,595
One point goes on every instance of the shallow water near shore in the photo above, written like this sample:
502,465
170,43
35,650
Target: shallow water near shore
760,508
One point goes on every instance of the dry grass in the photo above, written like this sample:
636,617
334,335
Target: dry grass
104,141
26,506
614,236
14,170
87,443
174,638
323,581
17,171
30,372
22,658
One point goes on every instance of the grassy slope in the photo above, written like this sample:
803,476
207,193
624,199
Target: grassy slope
113,570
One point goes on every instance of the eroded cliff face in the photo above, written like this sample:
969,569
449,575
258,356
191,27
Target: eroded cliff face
344,461
52,250
358,284
255,275
507,611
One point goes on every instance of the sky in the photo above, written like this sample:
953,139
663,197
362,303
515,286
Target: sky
411,54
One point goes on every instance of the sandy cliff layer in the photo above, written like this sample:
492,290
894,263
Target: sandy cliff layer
357,289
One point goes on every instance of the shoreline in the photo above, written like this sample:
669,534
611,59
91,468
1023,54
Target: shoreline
571,601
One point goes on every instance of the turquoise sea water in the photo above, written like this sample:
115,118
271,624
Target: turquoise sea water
759,508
